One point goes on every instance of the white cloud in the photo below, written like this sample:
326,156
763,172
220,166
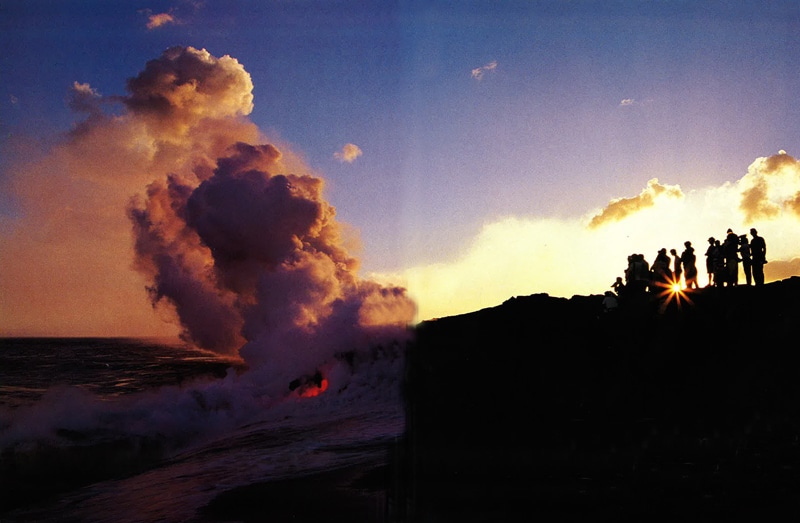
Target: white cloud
349,153
478,72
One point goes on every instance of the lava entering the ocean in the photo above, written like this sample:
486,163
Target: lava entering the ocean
309,386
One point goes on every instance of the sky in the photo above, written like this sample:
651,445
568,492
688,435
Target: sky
452,154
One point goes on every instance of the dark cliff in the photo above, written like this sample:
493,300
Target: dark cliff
547,407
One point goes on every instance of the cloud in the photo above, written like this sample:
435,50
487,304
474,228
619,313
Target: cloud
184,86
254,262
620,208
770,187
84,98
155,21
233,244
479,72
583,255
632,102
348,154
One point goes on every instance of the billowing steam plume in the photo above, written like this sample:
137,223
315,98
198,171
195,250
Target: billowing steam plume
245,252
232,236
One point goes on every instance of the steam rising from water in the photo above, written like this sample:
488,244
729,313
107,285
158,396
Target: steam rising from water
246,252
231,234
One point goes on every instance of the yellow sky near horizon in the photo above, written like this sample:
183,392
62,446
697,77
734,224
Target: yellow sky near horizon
583,255
68,266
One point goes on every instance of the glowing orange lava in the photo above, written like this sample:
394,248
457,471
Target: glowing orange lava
311,389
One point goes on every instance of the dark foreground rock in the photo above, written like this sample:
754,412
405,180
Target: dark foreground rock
546,407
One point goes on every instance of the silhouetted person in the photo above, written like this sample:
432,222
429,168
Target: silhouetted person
730,250
637,274
744,251
618,286
610,302
677,269
689,261
719,265
711,256
758,253
661,271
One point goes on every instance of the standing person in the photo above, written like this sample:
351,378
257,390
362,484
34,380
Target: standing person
639,272
711,256
618,286
744,250
661,271
677,270
719,265
758,253
730,250
688,259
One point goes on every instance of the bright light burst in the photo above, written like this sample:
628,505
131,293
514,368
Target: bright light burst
672,290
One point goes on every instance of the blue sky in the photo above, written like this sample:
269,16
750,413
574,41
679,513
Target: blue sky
573,104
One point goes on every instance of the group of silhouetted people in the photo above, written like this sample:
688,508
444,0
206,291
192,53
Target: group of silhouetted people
722,263
722,259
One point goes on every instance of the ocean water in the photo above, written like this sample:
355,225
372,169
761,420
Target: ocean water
145,430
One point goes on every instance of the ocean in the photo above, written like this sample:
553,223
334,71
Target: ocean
138,430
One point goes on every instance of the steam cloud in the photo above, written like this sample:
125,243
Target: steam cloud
245,252
231,235
620,208
770,186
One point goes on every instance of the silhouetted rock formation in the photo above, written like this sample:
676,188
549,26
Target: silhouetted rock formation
547,406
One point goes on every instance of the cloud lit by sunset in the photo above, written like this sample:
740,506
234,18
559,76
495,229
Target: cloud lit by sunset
160,19
583,255
136,186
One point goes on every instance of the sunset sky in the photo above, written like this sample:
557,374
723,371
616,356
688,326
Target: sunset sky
473,151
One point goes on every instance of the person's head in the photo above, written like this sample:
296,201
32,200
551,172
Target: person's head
743,239
673,252
754,232
711,241
687,244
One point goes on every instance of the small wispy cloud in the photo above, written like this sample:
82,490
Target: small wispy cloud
349,153
157,20
632,102
478,72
